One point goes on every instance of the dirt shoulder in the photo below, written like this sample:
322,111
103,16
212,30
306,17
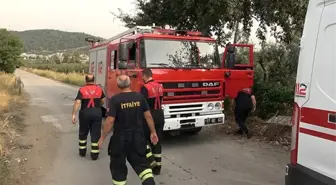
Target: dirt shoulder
23,136
12,103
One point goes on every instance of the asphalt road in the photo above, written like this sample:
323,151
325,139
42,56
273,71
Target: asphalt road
209,158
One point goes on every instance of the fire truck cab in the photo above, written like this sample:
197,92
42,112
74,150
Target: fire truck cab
313,151
187,64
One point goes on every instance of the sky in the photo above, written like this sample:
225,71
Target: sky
89,16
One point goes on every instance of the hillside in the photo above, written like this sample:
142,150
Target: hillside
47,40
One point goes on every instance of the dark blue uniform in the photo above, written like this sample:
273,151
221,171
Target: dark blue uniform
128,139
153,92
90,118
243,107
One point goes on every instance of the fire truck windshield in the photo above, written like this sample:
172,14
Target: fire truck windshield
180,54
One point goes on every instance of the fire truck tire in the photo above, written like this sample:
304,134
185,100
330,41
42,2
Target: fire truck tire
193,131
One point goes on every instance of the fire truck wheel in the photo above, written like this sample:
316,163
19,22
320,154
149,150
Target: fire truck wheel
193,131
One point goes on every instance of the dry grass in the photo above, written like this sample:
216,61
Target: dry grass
70,78
275,134
11,99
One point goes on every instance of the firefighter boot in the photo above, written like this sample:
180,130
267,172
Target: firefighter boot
239,132
157,170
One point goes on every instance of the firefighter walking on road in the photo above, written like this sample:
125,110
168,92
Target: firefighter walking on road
127,110
90,97
245,102
153,92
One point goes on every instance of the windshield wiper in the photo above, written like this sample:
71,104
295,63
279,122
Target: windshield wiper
163,65
197,65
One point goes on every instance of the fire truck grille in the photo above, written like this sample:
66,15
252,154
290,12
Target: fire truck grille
179,91
186,93
181,85
188,109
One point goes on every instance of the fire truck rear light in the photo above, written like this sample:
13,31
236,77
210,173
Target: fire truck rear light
295,133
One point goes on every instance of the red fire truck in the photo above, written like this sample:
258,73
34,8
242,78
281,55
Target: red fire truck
188,65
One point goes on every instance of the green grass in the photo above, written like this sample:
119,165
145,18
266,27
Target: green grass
72,78
61,68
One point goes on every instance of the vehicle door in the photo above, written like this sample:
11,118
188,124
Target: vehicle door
129,62
238,70
113,71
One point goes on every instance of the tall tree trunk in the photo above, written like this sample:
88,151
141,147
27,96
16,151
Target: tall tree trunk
236,34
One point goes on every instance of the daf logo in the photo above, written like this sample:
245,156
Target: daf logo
210,84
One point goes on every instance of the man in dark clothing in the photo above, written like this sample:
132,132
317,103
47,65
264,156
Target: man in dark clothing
91,98
245,102
153,92
126,114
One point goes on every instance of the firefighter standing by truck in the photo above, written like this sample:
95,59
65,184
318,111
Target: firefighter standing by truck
245,102
91,98
153,92
127,111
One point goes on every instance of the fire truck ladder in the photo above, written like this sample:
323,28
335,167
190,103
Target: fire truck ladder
132,31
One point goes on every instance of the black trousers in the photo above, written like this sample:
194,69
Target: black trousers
241,114
130,146
154,152
90,121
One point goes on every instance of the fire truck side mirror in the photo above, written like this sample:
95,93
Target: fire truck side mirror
230,58
123,52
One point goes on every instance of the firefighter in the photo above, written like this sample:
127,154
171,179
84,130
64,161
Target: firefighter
127,111
91,98
245,102
153,92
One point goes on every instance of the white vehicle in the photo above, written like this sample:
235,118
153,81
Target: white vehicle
313,151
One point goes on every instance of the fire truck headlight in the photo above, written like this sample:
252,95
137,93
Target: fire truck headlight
211,106
218,106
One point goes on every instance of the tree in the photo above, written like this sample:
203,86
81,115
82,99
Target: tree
55,59
10,50
75,57
212,16
66,58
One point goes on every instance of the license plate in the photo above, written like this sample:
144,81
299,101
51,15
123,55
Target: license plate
213,120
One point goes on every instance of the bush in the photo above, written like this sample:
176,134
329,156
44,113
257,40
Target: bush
10,50
274,83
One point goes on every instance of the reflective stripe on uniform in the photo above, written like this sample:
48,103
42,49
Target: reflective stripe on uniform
157,155
149,154
153,164
148,173
94,151
119,182
94,148
158,163
82,144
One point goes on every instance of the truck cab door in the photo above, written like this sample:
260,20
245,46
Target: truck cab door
237,75
113,73
129,63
